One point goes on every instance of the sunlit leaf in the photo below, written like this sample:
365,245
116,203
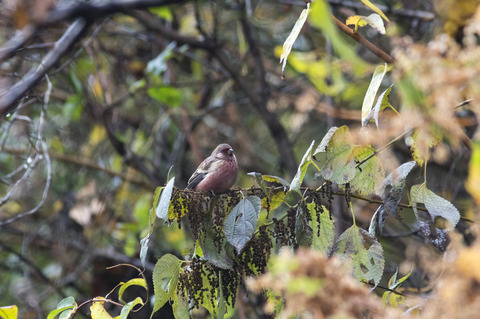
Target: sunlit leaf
274,201
372,90
162,12
369,173
375,8
323,228
241,223
132,282
98,311
420,142
9,312
358,21
381,104
165,278
473,180
336,157
374,20
367,264
302,169
164,202
436,206
292,37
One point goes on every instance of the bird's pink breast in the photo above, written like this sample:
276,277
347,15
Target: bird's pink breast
221,179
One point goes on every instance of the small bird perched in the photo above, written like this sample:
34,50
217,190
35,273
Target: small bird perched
217,172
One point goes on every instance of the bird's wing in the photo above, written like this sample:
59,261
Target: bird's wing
196,178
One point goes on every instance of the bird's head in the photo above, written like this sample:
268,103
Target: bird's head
223,151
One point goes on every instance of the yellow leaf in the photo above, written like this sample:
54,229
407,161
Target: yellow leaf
357,21
97,135
287,46
473,181
98,311
95,87
375,8
9,312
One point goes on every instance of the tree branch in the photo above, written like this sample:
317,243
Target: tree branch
363,41
31,79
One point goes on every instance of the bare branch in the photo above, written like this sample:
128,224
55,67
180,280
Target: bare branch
31,79
363,41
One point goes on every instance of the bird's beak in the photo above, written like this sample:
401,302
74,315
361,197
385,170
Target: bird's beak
230,151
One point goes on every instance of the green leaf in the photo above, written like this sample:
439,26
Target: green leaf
211,252
323,229
129,306
352,245
259,180
367,105
180,307
145,241
162,12
73,108
66,306
9,312
369,174
436,206
375,262
167,95
302,169
336,157
241,223
165,278
221,302
132,282
303,231
164,202
320,18
292,37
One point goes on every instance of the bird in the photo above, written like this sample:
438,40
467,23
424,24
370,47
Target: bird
216,173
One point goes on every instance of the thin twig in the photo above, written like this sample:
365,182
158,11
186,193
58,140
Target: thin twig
89,164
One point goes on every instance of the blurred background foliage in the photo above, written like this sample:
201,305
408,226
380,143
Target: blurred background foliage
150,92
